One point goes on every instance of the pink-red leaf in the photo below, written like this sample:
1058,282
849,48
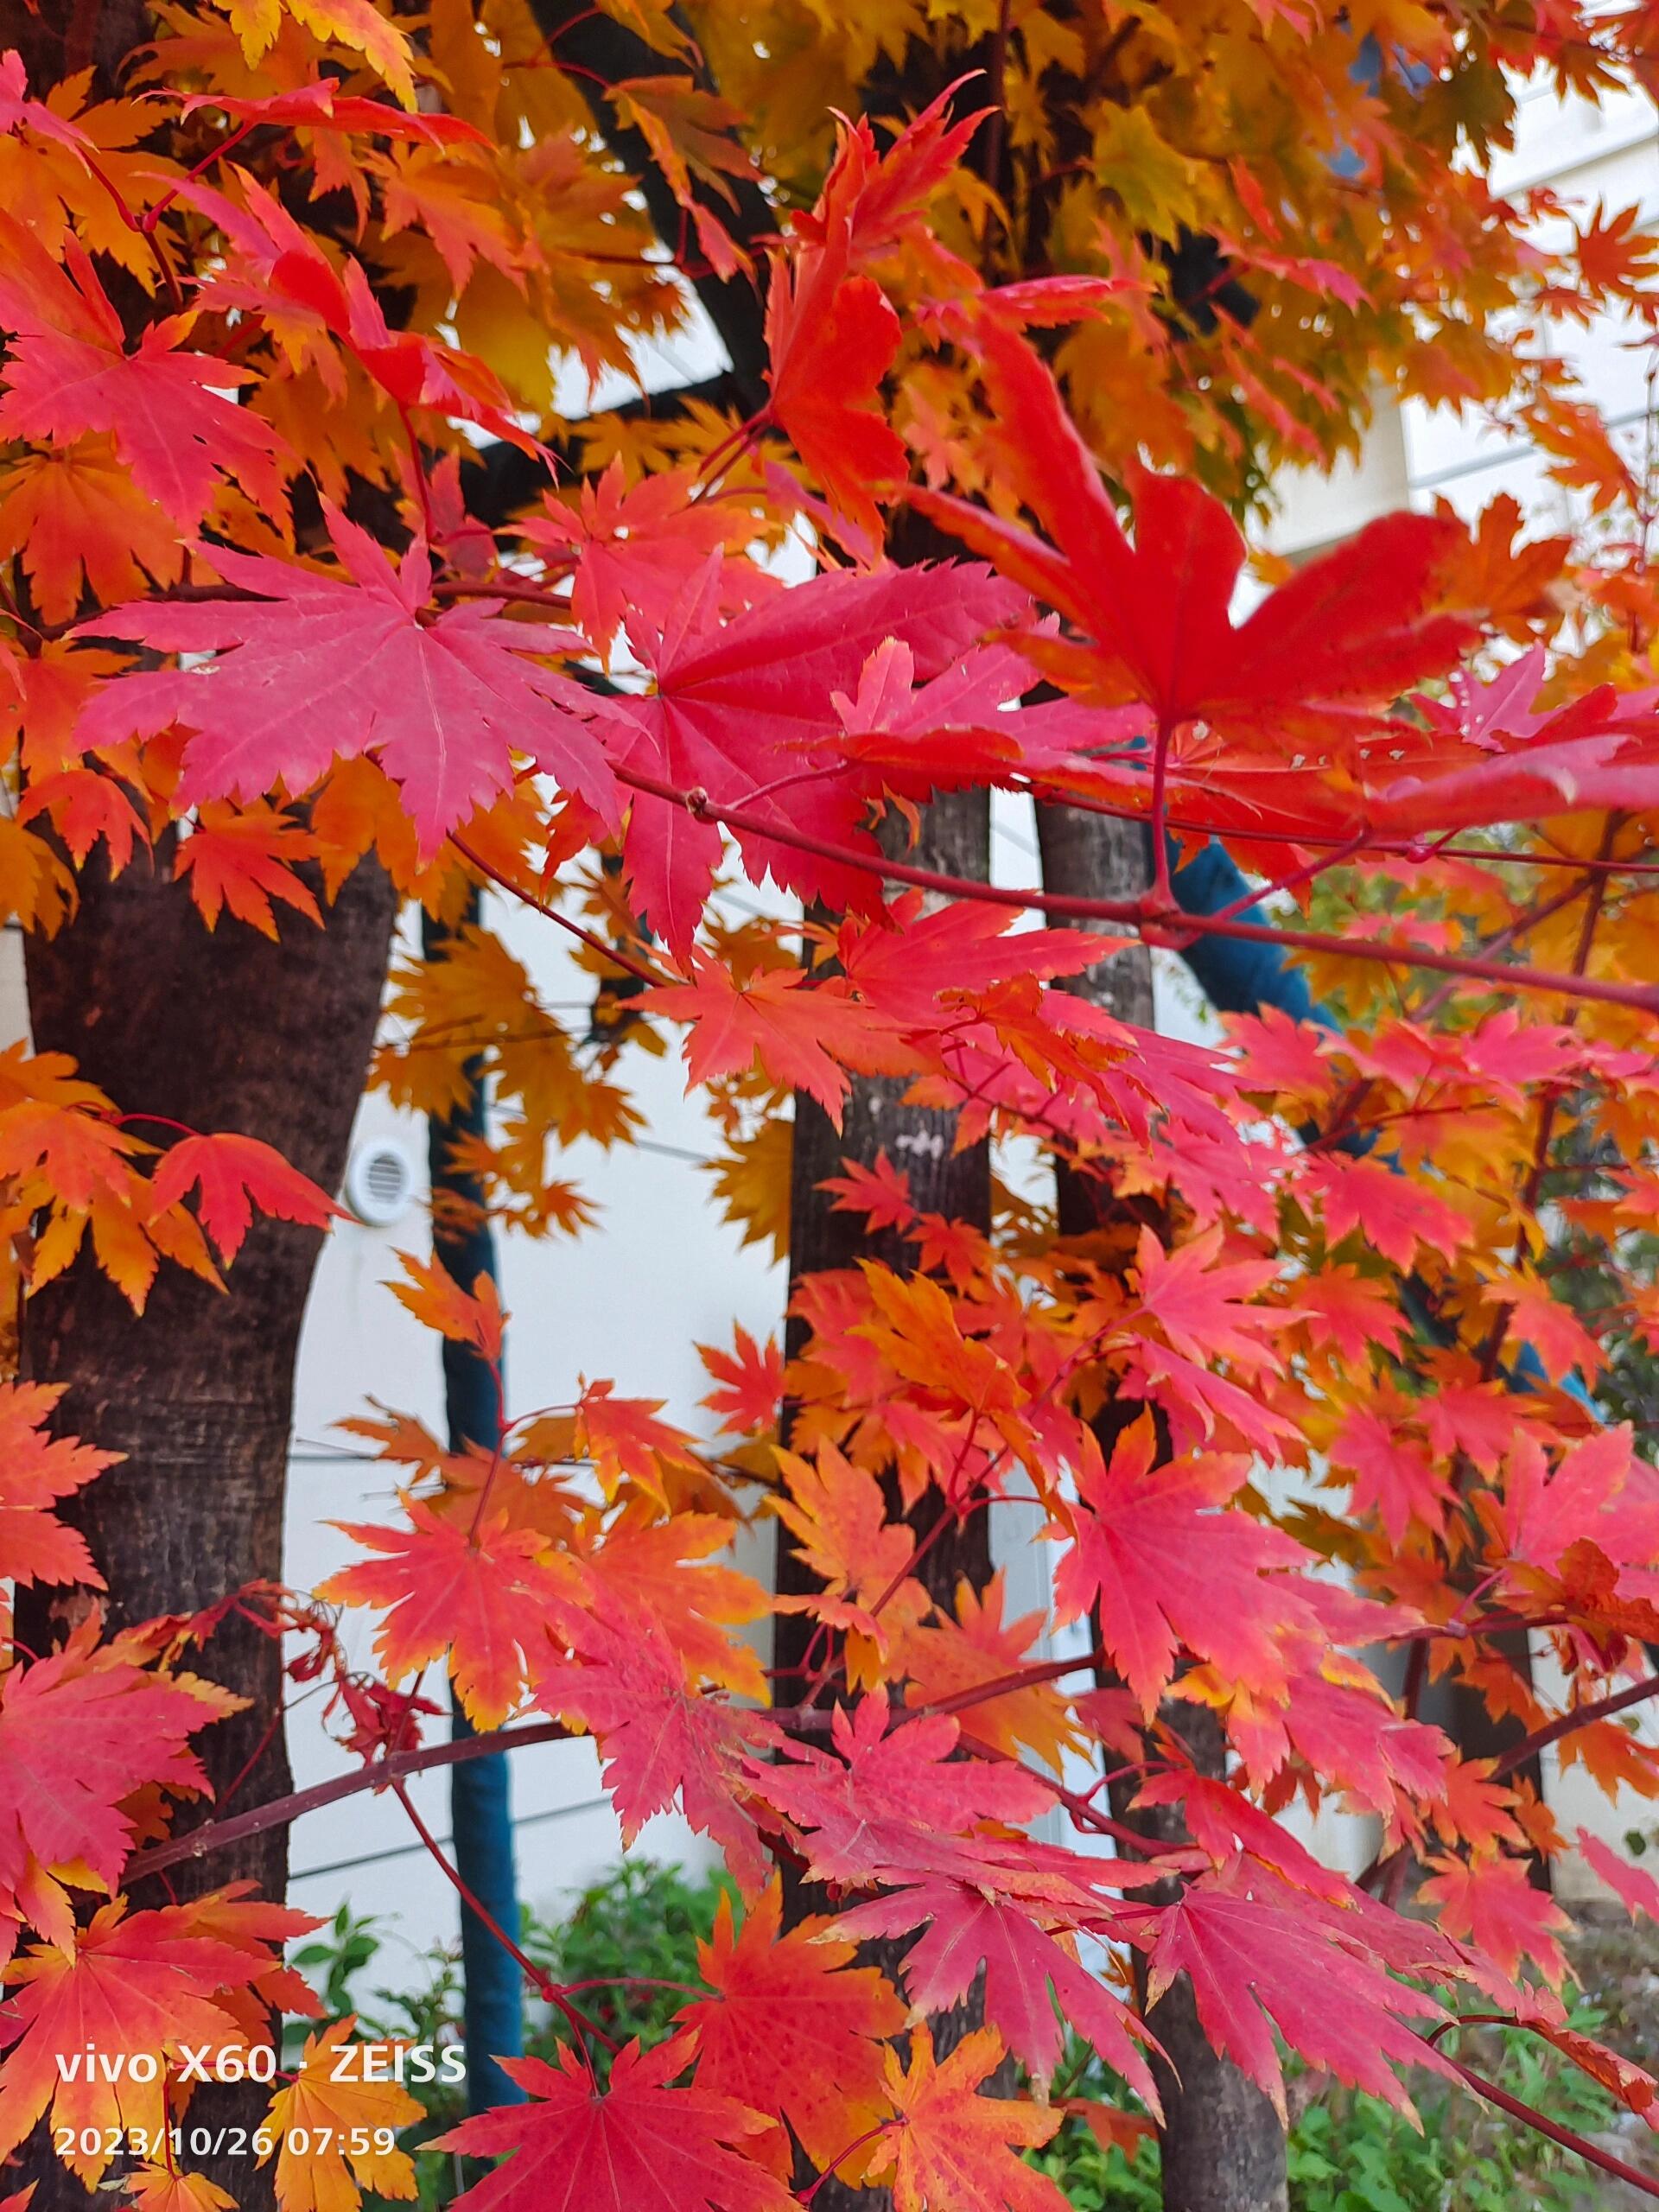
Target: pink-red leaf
442,700
576,2148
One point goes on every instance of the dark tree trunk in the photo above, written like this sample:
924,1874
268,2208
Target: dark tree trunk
1222,2148
919,1140
220,1031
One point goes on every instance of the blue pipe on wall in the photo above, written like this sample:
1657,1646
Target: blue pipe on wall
481,1811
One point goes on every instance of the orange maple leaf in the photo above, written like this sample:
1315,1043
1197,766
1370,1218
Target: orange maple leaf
1491,1901
625,1439
947,1657
662,1568
36,1469
160,2188
134,1986
793,2031
334,2136
241,857
838,1517
483,1599
433,1295
950,2145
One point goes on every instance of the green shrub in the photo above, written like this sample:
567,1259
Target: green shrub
1352,2153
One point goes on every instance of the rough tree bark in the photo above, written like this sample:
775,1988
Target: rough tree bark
920,1142
1222,2148
226,1031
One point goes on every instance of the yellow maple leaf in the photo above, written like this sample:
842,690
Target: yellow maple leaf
157,2189
335,2139
752,1183
354,24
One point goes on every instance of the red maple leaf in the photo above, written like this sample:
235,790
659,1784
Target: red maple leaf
1395,1213
640,2141
273,267
831,331
636,548
442,700
891,1801
880,197
1349,632
658,1737
237,1174
79,1731
321,106
750,1380
67,372
806,1036
1029,1973
1393,1475
1199,1301
793,2030
1355,1738
1255,1949
1599,1494
909,956
832,338
1168,1563
1636,1888
1346,1311
19,111
739,707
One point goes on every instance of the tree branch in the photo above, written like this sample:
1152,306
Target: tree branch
1568,1723
378,1774
1543,2125
1644,996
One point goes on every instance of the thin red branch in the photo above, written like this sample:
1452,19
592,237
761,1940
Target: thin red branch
857,2143
1643,996
614,953
1543,2125
1568,1723
378,1774
548,1990
1021,1678
1390,847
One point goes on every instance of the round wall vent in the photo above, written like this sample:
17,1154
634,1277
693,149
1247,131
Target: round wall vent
380,1182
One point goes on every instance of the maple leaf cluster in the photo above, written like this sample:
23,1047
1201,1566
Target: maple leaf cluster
1306,1391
